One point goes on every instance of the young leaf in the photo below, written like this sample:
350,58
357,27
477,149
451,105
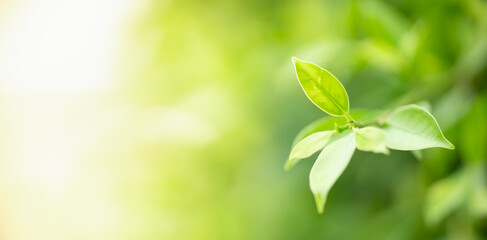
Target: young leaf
412,128
322,88
330,164
371,139
308,146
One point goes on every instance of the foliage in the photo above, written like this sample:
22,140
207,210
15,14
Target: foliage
408,127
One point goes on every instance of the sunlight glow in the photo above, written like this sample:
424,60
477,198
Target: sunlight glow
54,56
55,46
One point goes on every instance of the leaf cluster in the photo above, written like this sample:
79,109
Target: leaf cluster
406,128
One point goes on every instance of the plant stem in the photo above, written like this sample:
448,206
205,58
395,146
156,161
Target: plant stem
350,119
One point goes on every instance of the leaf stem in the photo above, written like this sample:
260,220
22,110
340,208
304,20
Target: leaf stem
350,119
341,128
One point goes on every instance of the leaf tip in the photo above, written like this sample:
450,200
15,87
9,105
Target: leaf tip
289,164
320,202
451,146
295,61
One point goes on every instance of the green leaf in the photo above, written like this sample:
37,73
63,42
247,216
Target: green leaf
371,139
322,88
308,147
330,164
412,128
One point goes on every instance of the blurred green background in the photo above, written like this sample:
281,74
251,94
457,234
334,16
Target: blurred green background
227,63
191,141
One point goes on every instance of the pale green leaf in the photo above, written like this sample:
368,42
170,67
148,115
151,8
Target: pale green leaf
330,164
322,88
371,139
308,146
412,128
